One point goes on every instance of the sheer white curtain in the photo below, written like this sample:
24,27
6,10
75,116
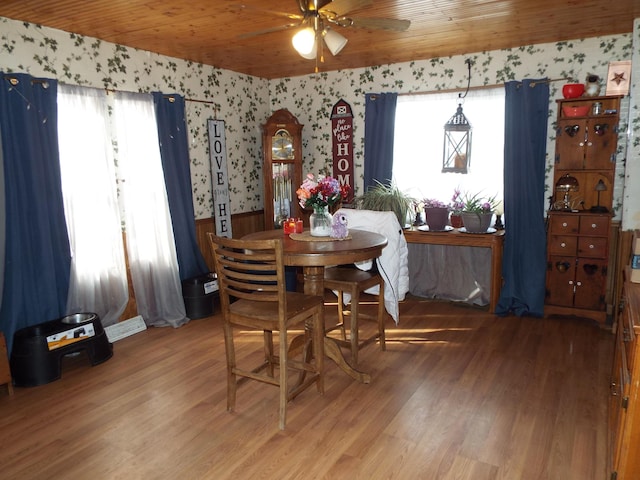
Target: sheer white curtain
150,243
419,140
98,280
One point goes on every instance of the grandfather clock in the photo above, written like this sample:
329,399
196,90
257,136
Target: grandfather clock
281,168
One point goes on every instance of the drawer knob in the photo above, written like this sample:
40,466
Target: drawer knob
564,224
581,144
563,244
591,247
593,225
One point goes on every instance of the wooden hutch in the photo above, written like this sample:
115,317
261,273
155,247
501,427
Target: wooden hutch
579,218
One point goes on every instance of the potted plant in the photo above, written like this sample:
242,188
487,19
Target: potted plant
457,207
436,213
477,212
381,197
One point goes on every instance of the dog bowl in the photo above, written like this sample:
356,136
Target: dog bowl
79,318
572,90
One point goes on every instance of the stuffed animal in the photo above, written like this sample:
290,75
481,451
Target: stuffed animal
339,226
592,86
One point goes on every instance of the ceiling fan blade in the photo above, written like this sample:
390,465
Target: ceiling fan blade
268,30
380,23
264,11
338,8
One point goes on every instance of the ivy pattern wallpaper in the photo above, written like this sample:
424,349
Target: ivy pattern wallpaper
245,102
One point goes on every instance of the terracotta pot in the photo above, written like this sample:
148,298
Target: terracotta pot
456,220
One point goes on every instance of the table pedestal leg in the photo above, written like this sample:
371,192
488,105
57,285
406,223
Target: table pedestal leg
314,285
332,350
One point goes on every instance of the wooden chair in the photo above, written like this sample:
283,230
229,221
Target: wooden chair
351,280
347,279
253,295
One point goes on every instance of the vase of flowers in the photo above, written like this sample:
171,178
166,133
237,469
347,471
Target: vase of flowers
436,213
478,212
320,222
321,193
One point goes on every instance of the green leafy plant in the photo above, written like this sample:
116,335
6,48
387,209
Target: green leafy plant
477,203
385,198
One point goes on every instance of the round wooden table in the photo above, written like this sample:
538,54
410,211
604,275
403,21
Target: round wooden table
313,256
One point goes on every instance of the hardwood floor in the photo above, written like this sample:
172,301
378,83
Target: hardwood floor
459,394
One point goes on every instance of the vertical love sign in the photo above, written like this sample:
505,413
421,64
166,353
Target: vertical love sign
219,177
342,136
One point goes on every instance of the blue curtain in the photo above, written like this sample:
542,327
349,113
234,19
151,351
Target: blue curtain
524,259
2,221
37,256
174,151
379,121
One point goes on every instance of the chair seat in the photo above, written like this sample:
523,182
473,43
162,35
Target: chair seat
267,312
343,277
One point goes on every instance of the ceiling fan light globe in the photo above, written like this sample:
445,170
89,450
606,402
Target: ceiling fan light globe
311,55
304,41
334,41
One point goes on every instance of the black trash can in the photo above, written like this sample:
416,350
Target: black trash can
200,295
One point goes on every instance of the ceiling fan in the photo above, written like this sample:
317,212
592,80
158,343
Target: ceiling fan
316,18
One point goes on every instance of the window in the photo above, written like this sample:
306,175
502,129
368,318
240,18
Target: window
419,143
98,277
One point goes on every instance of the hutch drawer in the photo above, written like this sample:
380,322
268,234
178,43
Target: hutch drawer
592,247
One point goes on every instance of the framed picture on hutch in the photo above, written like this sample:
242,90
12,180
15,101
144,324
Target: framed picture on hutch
619,78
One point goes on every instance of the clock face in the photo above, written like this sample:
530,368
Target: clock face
282,145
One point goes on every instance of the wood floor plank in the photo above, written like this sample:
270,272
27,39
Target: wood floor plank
459,394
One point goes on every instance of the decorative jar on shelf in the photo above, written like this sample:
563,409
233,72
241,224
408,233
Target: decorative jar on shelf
320,222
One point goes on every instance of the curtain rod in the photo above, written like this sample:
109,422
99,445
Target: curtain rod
168,97
14,81
481,87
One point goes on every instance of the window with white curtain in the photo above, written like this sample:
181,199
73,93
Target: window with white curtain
150,241
98,279
93,213
419,144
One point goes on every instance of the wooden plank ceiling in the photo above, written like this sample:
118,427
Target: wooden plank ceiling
208,31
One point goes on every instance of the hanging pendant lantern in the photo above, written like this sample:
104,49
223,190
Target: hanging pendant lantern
457,138
457,143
